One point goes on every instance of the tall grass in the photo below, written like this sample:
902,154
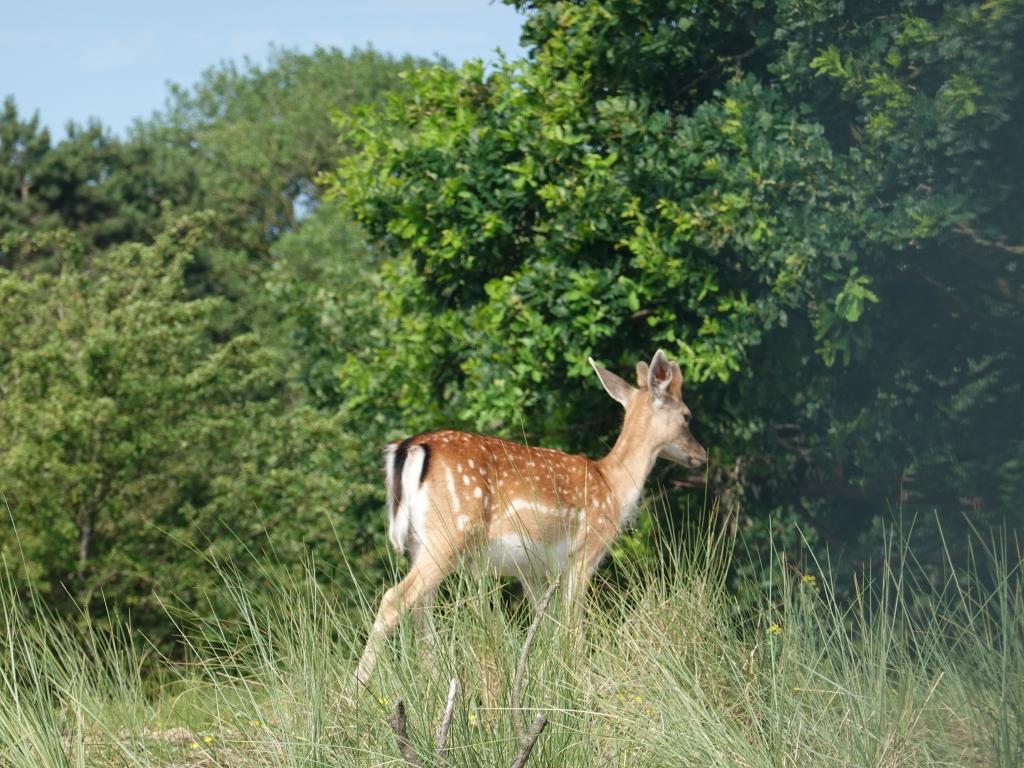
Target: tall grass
666,669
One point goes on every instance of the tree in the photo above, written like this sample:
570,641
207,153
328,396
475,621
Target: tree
256,138
245,143
798,200
163,348
137,443
23,145
262,134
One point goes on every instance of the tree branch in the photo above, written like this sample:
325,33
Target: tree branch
529,739
517,681
446,722
397,722
999,245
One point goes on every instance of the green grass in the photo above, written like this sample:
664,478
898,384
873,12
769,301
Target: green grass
666,669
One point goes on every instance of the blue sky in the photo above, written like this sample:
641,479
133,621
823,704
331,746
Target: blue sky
111,59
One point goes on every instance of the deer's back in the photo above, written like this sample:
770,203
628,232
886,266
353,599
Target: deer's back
515,503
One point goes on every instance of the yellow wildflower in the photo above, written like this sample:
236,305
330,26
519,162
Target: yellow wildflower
208,739
774,629
809,579
194,745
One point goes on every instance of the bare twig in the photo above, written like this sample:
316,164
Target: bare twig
398,725
529,739
446,721
999,245
517,681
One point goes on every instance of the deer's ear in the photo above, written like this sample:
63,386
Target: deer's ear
619,390
641,374
664,378
676,387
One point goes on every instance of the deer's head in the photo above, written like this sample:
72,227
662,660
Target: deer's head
655,411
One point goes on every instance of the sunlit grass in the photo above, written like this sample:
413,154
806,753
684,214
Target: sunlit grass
666,669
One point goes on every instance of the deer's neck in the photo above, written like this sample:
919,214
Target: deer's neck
626,468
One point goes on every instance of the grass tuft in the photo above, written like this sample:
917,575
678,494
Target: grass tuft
666,668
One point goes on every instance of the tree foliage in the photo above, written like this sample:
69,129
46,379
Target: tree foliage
258,136
132,436
103,189
244,144
810,204
152,367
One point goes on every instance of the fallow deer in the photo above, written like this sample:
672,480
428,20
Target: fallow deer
531,513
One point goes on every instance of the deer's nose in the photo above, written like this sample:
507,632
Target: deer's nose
698,457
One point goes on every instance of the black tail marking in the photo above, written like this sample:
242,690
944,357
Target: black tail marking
396,476
426,461
401,452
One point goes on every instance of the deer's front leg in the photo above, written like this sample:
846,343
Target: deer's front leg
579,572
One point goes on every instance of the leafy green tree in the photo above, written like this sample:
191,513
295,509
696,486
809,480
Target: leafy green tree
138,444
262,134
254,139
810,204
245,143
323,308
159,377
23,147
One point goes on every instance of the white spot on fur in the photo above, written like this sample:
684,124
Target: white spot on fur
453,497
478,492
465,479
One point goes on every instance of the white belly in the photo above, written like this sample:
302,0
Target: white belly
511,555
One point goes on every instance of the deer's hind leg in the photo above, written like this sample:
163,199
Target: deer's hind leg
411,593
